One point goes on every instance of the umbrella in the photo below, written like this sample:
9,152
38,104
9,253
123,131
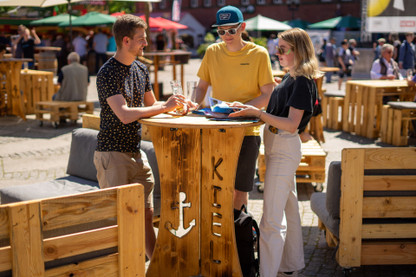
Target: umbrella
53,20
337,22
36,3
91,19
171,24
297,23
262,23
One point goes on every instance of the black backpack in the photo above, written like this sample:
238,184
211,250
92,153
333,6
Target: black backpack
247,236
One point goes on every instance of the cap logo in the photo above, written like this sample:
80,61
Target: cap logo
224,16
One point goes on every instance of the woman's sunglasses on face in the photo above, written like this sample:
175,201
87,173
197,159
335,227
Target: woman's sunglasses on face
231,31
281,51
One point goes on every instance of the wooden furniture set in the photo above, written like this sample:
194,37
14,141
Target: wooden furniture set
363,104
62,109
99,233
311,168
369,209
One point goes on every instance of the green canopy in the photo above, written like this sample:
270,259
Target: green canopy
297,23
91,19
53,20
262,23
348,21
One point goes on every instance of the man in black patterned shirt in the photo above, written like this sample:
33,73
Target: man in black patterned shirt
125,95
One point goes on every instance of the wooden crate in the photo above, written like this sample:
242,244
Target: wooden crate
311,168
99,233
36,86
59,109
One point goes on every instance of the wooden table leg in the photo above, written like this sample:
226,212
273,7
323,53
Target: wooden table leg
371,106
156,83
178,153
220,148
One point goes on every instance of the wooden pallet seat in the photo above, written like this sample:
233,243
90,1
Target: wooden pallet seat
62,109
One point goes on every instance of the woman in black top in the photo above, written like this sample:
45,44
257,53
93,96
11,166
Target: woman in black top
288,112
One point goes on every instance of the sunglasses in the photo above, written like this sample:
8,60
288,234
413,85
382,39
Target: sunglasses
231,31
281,51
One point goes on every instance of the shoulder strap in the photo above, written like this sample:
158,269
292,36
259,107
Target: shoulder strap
256,227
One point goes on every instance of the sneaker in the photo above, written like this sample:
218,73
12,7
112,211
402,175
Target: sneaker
287,274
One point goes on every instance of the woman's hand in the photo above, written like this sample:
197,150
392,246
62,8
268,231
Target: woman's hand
246,111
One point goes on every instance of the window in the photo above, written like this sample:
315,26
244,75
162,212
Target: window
194,3
261,2
162,4
277,2
220,3
245,2
207,3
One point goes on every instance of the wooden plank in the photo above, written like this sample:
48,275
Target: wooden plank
352,164
389,138
131,230
89,207
80,243
388,253
346,108
389,207
390,158
397,124
91,121
389,183
220,148
5,258
4,224
26,240
178,152
388,231
384,123
103,266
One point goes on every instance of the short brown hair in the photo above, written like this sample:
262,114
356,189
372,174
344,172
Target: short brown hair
125,26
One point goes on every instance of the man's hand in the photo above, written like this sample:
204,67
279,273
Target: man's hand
174,102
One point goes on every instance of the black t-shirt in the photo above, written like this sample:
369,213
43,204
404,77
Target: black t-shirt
132,82
28,48
300,93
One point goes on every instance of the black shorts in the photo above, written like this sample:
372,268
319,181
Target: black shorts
346,72
247,160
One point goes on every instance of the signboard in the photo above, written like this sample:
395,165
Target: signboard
384,16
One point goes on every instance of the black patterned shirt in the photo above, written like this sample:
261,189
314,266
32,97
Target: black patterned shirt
132,82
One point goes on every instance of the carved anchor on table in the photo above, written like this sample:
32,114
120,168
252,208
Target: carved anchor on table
181,231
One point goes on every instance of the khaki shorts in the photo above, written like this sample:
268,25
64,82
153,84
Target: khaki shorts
118,168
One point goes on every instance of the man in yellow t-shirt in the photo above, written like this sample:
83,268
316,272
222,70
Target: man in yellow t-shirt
237,71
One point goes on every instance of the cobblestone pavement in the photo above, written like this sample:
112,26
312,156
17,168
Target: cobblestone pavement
30,153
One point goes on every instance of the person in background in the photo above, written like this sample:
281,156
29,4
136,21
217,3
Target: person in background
385,67
330,51
289,110
346,62
80,46
73,79
377,48
407,54
272,43
125,95
352,45
111,47
100,42
2,50
24,44
61,55
237,70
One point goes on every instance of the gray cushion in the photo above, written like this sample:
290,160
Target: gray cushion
81,156
333,189
147,148
318,206
402,104
59,187
335,94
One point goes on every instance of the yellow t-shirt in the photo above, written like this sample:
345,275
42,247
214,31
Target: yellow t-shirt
236,76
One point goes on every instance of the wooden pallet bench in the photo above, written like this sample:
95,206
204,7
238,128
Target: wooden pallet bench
62,109
311,168
99,233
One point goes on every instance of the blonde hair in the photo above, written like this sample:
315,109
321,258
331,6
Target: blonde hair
305,60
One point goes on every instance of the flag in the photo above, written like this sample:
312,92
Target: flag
176,10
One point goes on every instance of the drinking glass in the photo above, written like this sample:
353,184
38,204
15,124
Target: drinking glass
409,74
191,90
177,90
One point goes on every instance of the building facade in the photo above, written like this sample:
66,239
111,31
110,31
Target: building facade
309,10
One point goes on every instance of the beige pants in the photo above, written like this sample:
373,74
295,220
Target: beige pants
281,243
118,168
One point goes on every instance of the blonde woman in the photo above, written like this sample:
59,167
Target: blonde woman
288,112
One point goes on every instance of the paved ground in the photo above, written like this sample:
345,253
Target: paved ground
30,153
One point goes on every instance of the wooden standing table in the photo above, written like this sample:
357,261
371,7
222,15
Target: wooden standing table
174,59
11,69
197,161
363,104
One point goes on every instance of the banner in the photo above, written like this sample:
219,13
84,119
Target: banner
384,16
176,10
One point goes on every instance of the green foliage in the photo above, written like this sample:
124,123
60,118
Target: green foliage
209,39
262,41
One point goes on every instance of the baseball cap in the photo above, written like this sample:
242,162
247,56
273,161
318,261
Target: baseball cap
228,15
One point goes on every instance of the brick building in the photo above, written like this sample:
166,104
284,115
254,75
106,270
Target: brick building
309,10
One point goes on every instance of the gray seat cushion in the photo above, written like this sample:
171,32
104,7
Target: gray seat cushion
81,156
334,94
147,147
402,104
59,187
318,206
